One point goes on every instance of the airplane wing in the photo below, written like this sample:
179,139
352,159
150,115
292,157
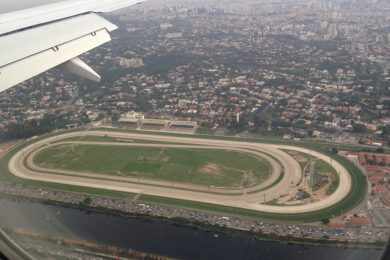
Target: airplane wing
35,40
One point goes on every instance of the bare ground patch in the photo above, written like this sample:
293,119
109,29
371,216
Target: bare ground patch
211,169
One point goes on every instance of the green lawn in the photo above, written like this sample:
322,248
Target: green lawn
325,169
197,166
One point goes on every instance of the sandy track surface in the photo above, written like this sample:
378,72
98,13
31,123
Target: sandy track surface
253,201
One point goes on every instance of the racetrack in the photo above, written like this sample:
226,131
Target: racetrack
21,165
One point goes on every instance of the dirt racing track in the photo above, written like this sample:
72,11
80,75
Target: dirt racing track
286,173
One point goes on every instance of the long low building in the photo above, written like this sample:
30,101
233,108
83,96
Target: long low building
183,124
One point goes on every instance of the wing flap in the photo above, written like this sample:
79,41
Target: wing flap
29,42
33,65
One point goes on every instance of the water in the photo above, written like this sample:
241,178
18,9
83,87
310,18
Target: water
159,237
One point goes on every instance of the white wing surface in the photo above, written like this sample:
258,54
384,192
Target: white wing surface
35,40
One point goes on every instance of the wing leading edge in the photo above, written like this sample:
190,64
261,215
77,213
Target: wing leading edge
55,34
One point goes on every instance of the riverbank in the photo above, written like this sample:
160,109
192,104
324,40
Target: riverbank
161,236
58,247
203,220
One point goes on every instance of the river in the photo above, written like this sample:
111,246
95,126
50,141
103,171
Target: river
160,237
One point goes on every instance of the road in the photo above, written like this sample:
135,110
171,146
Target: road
252,201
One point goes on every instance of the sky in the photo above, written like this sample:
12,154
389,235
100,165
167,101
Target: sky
13,5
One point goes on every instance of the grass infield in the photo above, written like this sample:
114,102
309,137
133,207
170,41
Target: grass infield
206,167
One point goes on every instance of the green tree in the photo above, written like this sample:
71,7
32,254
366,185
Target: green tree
325,221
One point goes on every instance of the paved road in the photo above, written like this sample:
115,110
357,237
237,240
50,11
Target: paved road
292,174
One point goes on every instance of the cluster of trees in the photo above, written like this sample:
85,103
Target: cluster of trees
30,128
376,161
385,131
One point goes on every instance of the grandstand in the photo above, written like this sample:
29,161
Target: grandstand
153,124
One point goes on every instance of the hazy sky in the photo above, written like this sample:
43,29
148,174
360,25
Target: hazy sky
13,5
